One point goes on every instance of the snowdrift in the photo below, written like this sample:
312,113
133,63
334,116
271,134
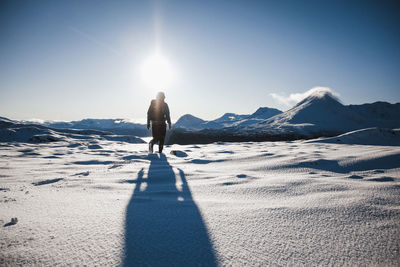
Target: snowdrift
369,136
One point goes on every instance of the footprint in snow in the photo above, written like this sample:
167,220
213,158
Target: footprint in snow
115,166
94,147
74,145
355,177
81,174
92,162
49,181
178,153
12,222
204,161
226,152
382,179
228,183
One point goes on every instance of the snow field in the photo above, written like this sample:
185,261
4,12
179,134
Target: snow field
271,203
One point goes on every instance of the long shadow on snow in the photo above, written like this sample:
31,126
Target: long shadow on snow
163,225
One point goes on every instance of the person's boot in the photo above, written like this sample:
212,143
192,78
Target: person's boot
151,147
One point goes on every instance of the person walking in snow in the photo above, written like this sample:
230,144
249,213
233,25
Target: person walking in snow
157,114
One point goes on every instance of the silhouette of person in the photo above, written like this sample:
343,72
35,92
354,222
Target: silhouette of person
163,224
157,114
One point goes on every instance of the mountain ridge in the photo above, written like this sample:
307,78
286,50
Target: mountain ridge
318,115
229,119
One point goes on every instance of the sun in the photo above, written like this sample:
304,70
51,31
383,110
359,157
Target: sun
157,72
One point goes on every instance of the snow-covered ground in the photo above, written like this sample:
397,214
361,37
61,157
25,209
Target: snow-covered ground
228,204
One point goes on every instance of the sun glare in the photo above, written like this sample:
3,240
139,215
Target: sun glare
157,72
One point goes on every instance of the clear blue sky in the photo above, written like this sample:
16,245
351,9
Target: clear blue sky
68,60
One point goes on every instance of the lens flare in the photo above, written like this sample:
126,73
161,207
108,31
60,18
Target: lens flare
157,72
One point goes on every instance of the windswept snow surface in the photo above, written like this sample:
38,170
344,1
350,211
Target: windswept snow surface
228,204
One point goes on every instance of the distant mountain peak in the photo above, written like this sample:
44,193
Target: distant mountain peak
320,96
229,117
188,121
187,117
265,113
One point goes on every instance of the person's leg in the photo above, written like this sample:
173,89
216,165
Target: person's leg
163,130
161,146
154,140
151,144
155,133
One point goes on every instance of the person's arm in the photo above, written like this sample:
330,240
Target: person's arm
167,116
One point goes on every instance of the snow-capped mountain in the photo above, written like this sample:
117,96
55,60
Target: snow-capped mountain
382,113
264,113
229,118
13,131
260,115
320,114
190,122
116,126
